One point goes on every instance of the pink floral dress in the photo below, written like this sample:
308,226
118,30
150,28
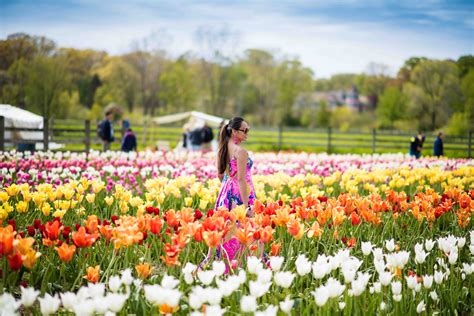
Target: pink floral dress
229,195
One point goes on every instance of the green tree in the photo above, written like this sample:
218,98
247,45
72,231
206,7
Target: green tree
433,92
465,64
392,107
47,78
323,115
178,90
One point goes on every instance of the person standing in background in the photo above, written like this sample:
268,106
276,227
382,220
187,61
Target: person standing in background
416,144
129,142
106,130
438,148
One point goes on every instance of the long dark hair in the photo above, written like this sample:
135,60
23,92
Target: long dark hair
224,136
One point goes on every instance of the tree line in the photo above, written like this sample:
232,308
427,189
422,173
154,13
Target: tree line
262,86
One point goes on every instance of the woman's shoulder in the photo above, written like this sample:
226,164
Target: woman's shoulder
241,153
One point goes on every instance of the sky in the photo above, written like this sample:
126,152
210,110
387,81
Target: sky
330,37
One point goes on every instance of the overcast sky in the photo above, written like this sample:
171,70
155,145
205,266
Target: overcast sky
337,36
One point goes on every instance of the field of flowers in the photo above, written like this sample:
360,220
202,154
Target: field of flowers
114,233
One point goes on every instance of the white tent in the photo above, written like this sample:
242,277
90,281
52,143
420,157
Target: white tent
196,118
16,117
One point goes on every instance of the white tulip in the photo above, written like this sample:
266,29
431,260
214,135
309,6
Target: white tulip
248,304
115,283
366,248
420,307
385,278
397,298
303,265
284,279
68,300
215,310
321,296
276,263
49,304
453,257
378,253
206,277
377,287
390,245
258,289
438,277
169,282
396,288
342,305
287,305
28,296
127,277
270,311
254,265
116,301
429,244
264,276
218,267
427,281
434,295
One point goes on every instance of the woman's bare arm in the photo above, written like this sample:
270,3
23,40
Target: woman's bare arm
242,157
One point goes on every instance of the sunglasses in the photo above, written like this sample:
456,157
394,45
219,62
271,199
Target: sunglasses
245,131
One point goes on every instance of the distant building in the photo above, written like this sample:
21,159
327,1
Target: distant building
334,99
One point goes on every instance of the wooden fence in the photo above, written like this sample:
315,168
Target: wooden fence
81,136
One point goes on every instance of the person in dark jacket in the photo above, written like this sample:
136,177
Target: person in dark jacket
416,144
129,142
107,130
438,149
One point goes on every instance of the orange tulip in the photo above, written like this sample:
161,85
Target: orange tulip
93,274
156,223
30,257
65,252
212,238
275,249
165,309
245,234
92,224
82,239
143,270
266,234
295,228
315,230
6,240
53,229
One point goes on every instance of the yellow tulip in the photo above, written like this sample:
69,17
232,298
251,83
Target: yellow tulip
4,196
109,200
12,190
46,209
22,207
188,201
59,213
90,198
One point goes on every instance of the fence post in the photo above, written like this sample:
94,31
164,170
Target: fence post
280,136
87,140
329,139
45,134
469,146
374,139
144,131
2,133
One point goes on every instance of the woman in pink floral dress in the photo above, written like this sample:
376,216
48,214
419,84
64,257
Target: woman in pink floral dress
234,167
235,171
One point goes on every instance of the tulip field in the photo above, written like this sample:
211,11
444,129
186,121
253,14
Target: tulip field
114,233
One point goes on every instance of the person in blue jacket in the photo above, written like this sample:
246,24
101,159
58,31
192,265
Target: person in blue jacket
438,148
129,142
416,144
